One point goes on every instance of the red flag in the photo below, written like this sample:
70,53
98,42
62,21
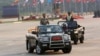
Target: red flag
78,0
67,1
15,2
85,1
55,1
92,0
62,1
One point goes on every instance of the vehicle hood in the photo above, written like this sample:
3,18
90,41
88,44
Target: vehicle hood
52,34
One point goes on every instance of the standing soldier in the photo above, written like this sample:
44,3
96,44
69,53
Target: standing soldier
44,21
69,16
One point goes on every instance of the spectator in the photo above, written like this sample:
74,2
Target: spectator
22,17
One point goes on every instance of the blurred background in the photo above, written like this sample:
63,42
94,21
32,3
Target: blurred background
17,8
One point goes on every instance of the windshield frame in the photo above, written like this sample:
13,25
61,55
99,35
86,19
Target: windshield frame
52,28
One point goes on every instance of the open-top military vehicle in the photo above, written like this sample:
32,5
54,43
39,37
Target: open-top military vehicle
47,37
75,31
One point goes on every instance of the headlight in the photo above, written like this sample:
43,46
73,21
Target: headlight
44,39
67,37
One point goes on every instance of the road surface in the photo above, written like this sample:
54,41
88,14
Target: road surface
12,39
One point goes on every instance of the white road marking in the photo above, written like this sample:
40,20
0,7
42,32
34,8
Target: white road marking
17,22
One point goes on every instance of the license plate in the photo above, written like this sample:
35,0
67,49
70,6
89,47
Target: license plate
56,38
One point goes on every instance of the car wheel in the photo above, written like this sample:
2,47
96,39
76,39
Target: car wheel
56,50
75,39
82,39
67,49
30,49
39,49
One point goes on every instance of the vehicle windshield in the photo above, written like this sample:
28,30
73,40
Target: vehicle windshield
50,29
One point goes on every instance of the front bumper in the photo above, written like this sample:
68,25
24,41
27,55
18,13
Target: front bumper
49,46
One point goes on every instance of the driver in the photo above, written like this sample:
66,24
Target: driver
64,26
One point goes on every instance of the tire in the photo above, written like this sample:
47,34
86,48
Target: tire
74,37
75,41
67,49
82,39
56,50
26,44
39,49
30,48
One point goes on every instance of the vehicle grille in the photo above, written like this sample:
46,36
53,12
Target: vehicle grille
56,42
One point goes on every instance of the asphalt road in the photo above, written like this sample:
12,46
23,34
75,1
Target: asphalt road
12,39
